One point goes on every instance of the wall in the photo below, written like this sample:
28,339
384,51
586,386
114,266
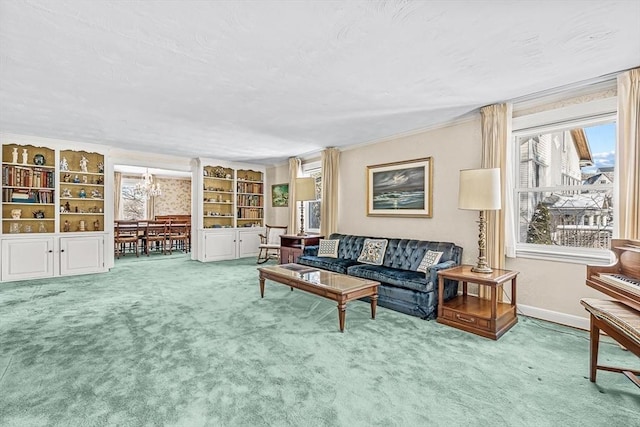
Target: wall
175,198
279,215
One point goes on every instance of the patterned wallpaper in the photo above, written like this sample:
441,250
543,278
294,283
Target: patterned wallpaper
175,198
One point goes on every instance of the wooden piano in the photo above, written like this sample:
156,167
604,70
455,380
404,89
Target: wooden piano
620,318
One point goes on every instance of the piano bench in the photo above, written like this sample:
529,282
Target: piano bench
620,322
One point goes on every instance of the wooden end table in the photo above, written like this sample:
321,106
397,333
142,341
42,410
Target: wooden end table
292,246
486,317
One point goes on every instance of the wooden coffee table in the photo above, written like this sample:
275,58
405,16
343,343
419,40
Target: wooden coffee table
334,286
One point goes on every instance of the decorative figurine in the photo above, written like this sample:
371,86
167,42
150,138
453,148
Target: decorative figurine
14,153
76,179
25,156
16,213
100,180
95,194
42,228
84,179
67,208
82,193
81,227
100,167
38,214
83,164
96,225
67,226
64,164
39,159
67,177
66,193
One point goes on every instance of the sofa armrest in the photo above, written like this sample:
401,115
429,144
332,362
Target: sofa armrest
432,272
310,250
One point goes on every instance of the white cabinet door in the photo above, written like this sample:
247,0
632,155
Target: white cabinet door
248,242
219,244
27,258
81,255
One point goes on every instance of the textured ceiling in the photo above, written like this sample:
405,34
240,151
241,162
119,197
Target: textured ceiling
262,81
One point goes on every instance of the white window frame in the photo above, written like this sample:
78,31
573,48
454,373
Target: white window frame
579,115
308,169
130,182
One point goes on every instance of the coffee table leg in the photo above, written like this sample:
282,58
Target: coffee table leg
261,287
342,308
374,304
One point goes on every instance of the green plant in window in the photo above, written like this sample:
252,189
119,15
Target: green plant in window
540,226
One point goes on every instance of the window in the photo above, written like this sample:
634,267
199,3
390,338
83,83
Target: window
312,208
133,204
564,186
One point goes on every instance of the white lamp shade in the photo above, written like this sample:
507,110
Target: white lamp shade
305,189
479,189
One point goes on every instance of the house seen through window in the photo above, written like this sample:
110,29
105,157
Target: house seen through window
565,182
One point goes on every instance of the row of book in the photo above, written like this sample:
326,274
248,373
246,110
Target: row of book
249,213
27,196
20,176
249,187
249,200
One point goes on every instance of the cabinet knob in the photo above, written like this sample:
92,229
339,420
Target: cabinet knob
61,250
50,250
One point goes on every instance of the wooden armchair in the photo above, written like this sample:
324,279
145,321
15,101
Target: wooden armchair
270,243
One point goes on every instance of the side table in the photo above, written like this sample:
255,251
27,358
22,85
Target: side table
291,246
486,317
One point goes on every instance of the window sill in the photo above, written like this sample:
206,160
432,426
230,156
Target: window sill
585,256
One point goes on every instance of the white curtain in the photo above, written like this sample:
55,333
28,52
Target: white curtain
496,137
329,204
628,155
294,170
117,193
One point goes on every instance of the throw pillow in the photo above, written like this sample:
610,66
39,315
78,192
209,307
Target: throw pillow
373,251
328,248
430,258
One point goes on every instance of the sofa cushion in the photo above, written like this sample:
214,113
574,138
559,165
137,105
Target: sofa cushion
328,248
337,265
430,258
413,280
373,251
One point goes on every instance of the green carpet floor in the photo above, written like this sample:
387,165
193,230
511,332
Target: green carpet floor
166,341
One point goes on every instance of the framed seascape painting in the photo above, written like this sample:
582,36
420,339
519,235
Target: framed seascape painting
401,188
280,195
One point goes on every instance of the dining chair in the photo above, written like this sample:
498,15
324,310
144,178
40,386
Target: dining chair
156,232
179,232
125,232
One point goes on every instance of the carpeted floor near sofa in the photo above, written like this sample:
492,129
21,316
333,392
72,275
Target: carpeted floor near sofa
166,341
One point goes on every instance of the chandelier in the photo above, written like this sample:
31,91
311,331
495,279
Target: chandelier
146,187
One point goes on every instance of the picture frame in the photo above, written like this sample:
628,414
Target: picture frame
280,195
402,189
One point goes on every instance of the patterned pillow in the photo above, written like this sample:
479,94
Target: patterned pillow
328,248
430,258
373,251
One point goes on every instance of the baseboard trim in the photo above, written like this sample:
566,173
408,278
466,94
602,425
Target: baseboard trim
554,316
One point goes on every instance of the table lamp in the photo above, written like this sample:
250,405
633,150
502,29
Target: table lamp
305,191
480,191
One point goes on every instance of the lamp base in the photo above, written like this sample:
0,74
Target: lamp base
482,269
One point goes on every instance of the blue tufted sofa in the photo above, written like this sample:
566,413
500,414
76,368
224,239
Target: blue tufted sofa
402,288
